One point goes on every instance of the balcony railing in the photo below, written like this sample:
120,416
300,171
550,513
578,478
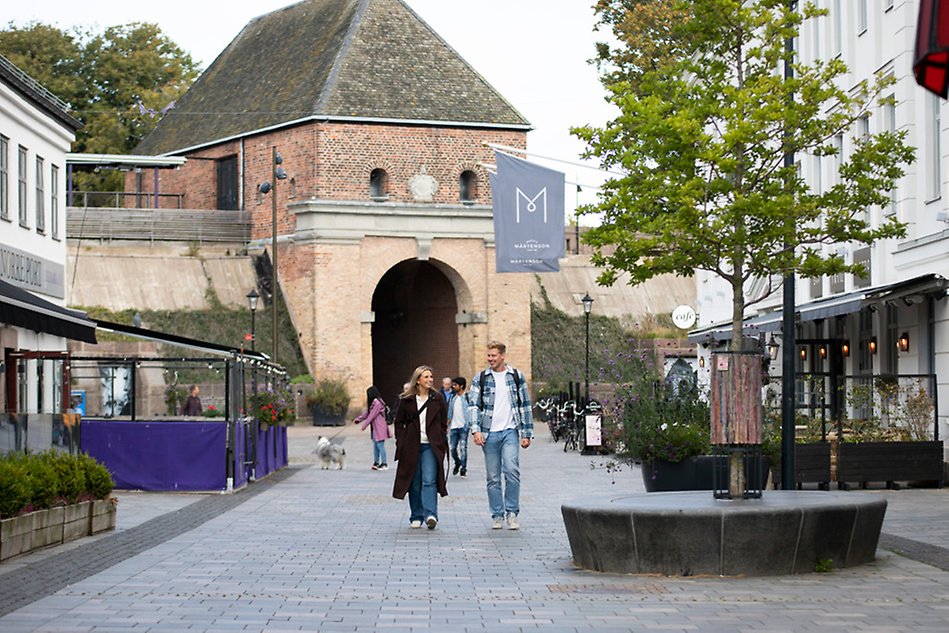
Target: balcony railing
125,199
157,225
885,406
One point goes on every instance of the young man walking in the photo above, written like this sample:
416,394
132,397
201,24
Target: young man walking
500,414
458,406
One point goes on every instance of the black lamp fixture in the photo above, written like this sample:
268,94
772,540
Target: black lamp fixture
903,342
587,302
278,173
252,299
822,350
773,348
872,345
802,352
845,349
931,58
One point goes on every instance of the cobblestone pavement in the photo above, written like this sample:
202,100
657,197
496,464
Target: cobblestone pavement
324,550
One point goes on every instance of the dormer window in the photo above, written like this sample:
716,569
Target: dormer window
378,184
468,187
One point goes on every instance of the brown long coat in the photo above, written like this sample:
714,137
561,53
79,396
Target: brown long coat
408,441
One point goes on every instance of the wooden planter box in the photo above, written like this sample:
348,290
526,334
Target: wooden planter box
36,530
890,462
811,465
322,418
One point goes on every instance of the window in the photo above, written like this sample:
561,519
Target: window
4,178
468,186
40,197
861,17
838,158
54,201
21,185
889,125
227,184
838,19
934,153
378,184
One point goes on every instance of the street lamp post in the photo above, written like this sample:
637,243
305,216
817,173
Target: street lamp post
252,299
277,173
587,307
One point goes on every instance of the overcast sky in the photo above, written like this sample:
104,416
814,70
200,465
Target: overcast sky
533,52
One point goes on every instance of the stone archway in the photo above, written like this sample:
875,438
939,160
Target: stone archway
415,306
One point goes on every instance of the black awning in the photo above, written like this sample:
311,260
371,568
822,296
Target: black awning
24,309
180,341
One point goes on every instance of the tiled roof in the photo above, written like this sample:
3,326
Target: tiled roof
329,59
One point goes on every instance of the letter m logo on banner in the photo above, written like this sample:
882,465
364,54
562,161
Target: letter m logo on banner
528,216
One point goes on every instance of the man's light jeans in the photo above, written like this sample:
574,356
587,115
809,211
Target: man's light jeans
501,458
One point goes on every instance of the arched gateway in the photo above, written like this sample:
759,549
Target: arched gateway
415,308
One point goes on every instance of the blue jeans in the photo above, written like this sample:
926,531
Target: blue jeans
501,457
423,496
458,441
378,449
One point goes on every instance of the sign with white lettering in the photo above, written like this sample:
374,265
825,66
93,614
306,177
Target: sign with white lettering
33,273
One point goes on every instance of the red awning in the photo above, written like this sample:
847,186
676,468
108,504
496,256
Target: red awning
931,59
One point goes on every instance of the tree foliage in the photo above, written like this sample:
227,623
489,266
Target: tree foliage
702,137
117,83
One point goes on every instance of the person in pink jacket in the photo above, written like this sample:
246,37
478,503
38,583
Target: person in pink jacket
375,418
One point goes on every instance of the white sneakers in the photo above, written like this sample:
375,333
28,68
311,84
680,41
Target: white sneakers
431,522
512,523
416,524
498,523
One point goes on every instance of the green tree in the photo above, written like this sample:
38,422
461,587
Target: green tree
702,138
117,83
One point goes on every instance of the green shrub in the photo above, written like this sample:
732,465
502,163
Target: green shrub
14,488
98,479
72,475
330,395
44,481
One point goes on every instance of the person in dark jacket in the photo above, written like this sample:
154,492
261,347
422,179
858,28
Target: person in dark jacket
421,444
192,404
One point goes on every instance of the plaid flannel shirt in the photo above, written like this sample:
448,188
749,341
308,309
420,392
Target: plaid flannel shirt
481,419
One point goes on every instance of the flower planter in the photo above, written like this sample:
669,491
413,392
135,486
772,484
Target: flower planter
890,462
48,527
692,473
16,535
76,521
811,465
102,516
53,526
322,418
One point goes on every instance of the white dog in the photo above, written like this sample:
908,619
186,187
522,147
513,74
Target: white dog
330,454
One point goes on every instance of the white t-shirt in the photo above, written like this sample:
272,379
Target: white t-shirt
419,401
503,417
458,411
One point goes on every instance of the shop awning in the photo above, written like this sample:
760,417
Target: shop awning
908,291
21,308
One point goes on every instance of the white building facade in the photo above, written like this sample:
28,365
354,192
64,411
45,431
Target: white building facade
895,321
35,134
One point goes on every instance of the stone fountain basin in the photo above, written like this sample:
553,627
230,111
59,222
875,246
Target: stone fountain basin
692,533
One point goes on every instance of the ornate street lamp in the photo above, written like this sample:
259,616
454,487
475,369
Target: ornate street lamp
277,173
252,299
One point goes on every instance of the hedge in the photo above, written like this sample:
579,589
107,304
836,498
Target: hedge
34,481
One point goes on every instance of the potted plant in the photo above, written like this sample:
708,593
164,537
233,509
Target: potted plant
328,402
274,407
665,428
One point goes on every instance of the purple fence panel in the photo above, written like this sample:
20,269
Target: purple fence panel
282,460
264,453
240,454
159,456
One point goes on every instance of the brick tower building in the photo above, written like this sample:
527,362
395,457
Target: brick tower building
385,236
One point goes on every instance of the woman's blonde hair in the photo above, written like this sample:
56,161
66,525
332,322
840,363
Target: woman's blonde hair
412,389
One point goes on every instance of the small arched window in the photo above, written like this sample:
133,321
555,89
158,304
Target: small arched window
378,183
468,186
